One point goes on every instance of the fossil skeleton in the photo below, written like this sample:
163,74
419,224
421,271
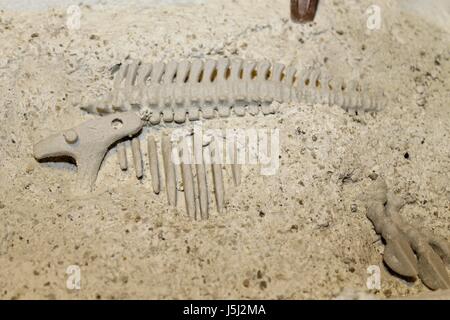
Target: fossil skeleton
151,94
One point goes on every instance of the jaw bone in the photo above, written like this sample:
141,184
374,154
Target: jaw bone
88,143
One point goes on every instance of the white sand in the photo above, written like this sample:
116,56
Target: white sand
292,235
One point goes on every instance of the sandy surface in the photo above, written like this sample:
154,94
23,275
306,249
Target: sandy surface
301,233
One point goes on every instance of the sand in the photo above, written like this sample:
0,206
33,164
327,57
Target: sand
299,234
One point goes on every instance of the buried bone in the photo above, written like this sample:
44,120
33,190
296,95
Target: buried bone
122,155
201,176
153,163
169,169
137,157
216,166
188,178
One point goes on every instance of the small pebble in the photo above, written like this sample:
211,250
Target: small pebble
420,89
421,102
263,285
373,176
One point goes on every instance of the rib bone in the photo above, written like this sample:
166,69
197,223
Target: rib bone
122,155
217,177
169,170
137,157
153,162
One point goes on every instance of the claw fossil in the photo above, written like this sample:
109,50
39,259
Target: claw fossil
408,251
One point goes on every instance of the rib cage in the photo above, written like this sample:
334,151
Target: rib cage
203,181
175,92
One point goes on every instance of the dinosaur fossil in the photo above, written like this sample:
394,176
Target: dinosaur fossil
408,252
155,94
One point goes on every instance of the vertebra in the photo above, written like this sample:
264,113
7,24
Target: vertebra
175,92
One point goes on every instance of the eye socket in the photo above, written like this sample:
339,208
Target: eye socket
70,136
116,124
